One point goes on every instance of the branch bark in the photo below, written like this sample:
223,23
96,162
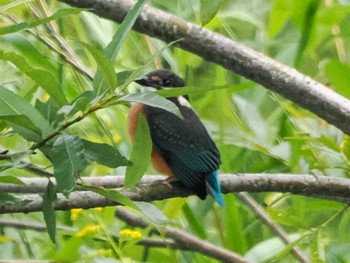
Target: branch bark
330,188
223,51
188,241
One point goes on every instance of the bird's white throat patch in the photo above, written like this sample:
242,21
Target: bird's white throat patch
184,102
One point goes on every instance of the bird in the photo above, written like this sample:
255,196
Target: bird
181,146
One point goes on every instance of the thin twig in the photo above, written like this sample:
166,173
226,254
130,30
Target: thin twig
266,219
191,242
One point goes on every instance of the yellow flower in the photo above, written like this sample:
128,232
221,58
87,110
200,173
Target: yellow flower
74,213
98,209
128,234
88,230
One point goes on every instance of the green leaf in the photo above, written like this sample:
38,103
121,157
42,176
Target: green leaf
42,77
7,179
22,125
153,213
26,25
104,66
307,29
188,90
113,195
279,16
11,105
9,199
104,154
50,111
114,46
14,4
49,199
140,154
208,10
81,103
68,160
152,99
196,225
336,71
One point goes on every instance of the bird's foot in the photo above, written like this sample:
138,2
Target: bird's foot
167,181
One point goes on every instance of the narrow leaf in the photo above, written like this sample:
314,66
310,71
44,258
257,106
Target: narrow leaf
104,65
208,10
7,179
113,195
11,105
49,199
114,46
26,25
153,213
152,99
68,160
188,90
140,154
104,154
42,77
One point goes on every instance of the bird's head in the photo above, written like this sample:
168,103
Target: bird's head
161,78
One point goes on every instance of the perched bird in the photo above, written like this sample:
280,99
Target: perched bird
182,147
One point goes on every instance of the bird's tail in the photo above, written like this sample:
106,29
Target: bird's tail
214,187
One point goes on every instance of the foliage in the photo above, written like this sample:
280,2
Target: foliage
63,110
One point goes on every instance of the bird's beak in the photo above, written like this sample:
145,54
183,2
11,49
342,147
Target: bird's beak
144,81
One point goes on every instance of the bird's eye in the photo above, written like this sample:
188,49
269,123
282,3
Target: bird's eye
166,82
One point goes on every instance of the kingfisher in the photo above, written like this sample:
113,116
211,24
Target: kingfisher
181,147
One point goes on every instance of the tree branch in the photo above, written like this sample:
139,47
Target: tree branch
267,220
223,51
330,188
188,241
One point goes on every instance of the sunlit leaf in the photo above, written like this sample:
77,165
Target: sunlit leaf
208,10
140,154
152,99
41,76
152,213
26,25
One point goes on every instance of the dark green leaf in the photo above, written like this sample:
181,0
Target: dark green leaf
9,199
68,160
12,104
104,154
49,199
50,111
140,154
22,125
